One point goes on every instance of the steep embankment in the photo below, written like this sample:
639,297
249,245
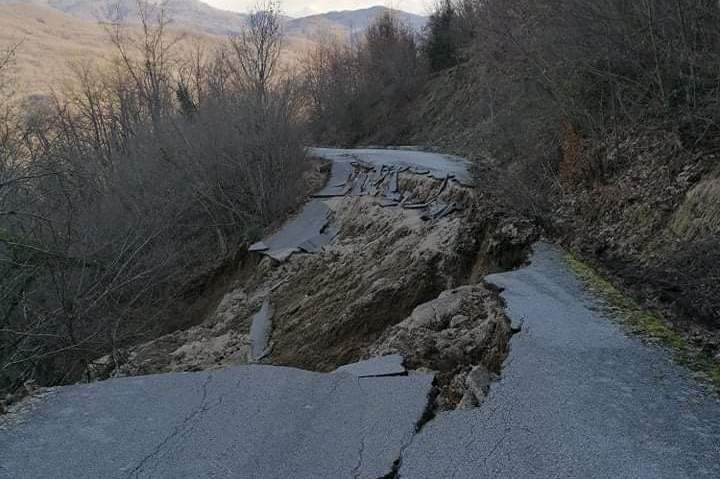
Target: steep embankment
650,218
641,206
388,261
399,273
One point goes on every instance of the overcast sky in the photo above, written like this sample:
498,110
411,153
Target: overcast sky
300,8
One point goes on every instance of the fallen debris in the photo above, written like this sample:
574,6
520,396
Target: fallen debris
260,329
390,365
459,334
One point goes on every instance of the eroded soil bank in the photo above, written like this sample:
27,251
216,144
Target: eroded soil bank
402,275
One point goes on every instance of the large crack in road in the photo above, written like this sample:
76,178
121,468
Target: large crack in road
251,422
382,238
378,286
578,398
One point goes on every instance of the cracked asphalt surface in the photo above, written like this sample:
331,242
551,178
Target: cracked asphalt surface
578,398
436,164
241,422
310,229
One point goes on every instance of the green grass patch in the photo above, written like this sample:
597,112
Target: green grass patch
644,323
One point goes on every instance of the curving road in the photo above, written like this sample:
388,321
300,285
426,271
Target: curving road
578,398
436,164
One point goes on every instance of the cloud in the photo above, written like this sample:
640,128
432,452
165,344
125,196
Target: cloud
300,8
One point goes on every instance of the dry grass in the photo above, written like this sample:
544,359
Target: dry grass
52,41
646,324
699,214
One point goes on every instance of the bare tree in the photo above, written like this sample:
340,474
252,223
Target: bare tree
6,58
257,48
147,58
357,92
121,197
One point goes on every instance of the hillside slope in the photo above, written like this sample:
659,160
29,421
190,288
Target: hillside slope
347,22
642,207
50,42
57,33
189,14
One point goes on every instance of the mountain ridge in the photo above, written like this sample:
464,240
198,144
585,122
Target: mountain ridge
198,15
53,39
349,21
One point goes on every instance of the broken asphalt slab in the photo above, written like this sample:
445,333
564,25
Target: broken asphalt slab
438,165
390,365
260,329
309,230
578,398
307,225
241,422
258,247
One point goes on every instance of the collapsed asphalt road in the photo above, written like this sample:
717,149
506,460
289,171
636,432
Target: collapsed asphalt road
578,398
311,229
373,173
436,165
243,422
251,421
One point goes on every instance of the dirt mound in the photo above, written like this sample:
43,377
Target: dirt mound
385,262
462,331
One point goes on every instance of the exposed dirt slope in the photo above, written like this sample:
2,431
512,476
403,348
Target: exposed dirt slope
370,293
642,206
649,217
463,334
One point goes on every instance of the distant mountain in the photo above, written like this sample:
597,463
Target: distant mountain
199,16
347,22
55,33
188,14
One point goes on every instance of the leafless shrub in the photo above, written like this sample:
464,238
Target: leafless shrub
359,91
120,198
257,49
6,59
546,74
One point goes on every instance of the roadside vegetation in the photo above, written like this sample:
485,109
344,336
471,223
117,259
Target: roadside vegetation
646,324
122,198
598,120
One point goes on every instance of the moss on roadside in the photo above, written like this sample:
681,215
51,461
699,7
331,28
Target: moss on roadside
646,324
